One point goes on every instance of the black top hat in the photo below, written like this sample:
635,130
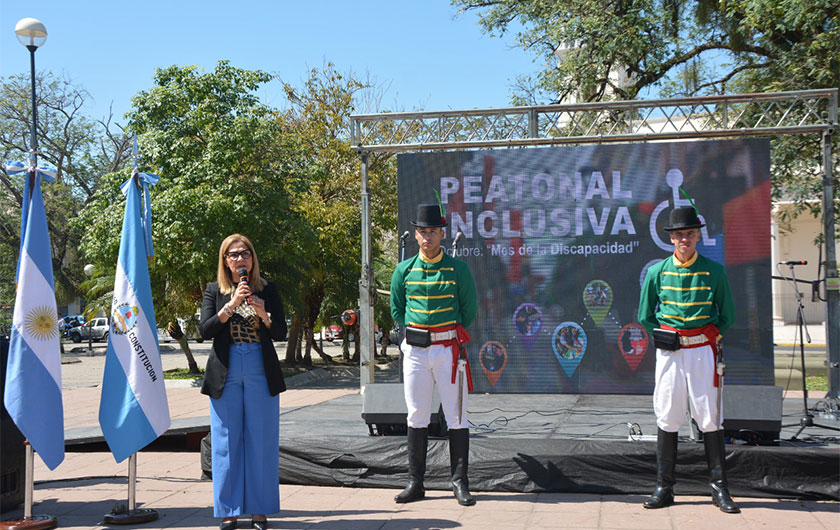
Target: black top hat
684,218
429,216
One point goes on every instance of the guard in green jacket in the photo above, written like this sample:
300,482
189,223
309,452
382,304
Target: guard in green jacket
686,304
433,298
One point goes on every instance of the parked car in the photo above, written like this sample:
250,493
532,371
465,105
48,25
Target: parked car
332,333
96,329
70,322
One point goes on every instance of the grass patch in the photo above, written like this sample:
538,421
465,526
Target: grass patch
289,371
816,382
182,373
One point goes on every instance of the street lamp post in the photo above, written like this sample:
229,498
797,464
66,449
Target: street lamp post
32,34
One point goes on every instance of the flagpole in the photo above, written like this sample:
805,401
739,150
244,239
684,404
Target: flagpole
132,515
132,482
29,521
30,481
32,34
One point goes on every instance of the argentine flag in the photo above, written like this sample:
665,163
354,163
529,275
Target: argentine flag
133,411
16,168
33,371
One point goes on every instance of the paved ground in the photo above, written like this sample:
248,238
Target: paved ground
167,482
87,485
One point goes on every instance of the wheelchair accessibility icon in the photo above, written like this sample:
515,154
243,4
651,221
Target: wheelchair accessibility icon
674,178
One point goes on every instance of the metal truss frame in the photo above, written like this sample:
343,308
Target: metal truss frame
707,117
802,112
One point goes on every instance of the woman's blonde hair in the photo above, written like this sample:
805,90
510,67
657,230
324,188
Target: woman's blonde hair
223,276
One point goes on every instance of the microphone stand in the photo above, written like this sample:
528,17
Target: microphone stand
401,333
462,354
807,419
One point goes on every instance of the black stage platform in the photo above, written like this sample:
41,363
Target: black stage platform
553,443
572,443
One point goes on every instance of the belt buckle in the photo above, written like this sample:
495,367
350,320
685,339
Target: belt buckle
442,335
693,340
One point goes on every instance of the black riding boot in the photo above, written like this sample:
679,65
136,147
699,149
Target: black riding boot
459,451
716,458
418,441
666,460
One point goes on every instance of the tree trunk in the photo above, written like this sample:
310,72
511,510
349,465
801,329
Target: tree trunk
323,355
294,340
356,327
307,353
314,298
298,354
345,346
175,331
193,366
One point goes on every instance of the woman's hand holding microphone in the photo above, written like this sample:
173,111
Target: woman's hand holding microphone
242,293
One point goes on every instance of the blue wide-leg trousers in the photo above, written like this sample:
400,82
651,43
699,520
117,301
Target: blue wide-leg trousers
245,436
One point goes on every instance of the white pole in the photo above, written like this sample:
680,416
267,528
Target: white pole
30,473
132,482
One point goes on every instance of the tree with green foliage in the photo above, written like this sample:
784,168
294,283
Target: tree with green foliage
79,148
215,148
325,185
680,48
754,45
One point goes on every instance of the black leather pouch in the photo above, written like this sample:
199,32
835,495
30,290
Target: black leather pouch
665,339
418,337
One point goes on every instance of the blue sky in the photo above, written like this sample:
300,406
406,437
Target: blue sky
425,56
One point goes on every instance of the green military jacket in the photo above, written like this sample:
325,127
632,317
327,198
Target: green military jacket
686,295
432,293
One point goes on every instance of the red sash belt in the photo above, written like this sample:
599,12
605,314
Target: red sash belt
710,331
462,337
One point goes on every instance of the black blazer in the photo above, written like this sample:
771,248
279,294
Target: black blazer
211,328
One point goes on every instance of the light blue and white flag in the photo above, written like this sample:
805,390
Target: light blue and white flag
134,410
14,168
33,370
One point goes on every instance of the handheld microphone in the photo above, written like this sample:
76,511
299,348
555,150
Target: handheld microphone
404,236
793,262
243,277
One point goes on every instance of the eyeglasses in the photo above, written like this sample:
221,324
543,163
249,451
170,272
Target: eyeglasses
245,254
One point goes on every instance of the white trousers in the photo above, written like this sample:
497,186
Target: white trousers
686,376
422,368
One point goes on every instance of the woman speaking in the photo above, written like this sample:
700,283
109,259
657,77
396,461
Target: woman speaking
243,314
